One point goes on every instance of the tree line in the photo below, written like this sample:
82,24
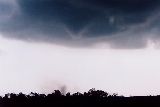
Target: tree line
92,98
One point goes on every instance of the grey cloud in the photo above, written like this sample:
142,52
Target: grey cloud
121,23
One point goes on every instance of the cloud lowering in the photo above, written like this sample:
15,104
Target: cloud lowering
82,23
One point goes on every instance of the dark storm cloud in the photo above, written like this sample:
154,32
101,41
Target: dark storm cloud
121,23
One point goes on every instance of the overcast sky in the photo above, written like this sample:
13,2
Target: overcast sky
111,45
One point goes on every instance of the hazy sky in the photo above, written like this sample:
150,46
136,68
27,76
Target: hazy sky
111,45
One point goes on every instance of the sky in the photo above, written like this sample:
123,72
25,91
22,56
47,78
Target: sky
77,45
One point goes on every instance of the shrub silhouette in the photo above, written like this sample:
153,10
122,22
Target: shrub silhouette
92,98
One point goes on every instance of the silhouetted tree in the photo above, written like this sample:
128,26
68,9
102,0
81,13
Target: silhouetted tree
92,98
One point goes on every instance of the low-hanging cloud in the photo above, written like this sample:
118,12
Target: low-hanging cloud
121,24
